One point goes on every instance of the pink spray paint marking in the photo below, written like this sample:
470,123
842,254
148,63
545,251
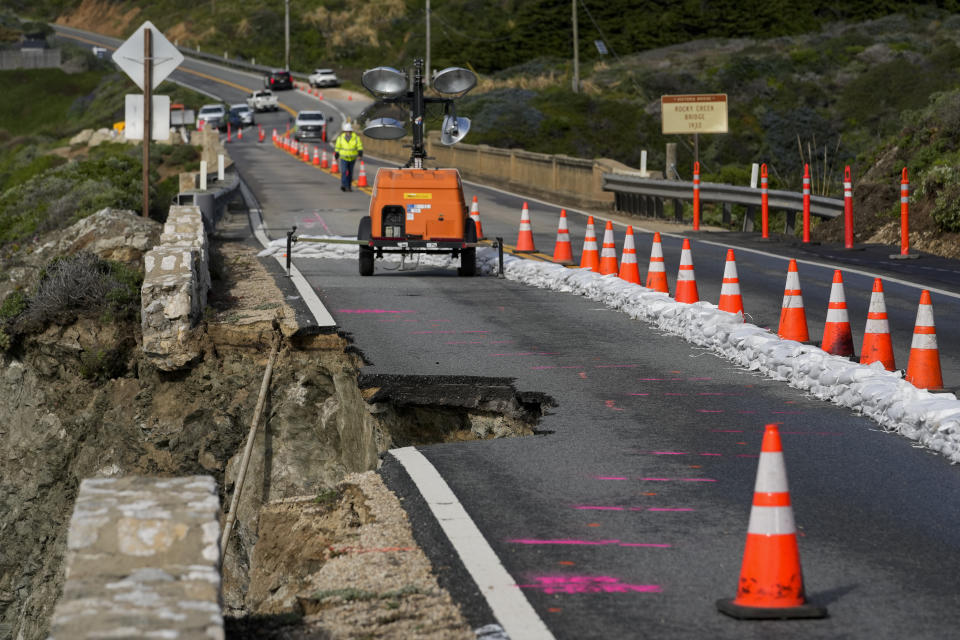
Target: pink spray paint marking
589,543
610,478
709,410
316,216
587,584
587,507
375,311
612,405
639,394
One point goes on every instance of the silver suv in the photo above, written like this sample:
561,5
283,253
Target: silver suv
310,125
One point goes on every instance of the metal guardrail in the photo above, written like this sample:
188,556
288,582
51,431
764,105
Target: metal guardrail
633,194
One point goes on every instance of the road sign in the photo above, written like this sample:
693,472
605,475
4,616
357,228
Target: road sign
129,56
696,113
159,120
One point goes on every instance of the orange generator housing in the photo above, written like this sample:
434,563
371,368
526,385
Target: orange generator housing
418,211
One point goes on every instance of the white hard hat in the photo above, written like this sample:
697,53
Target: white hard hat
347,126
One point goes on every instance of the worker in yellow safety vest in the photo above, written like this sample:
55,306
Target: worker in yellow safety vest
347,149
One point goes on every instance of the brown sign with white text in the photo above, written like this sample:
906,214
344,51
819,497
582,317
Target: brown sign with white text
699,113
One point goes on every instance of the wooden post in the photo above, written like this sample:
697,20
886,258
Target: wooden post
147,124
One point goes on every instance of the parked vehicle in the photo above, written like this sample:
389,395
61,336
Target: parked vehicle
240,115
263,101
212,115
277,80
324,78
310,125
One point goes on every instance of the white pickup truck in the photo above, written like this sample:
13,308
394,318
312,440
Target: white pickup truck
263,101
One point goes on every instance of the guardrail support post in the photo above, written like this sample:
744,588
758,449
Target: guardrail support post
748,218
289,253
790,228
727,212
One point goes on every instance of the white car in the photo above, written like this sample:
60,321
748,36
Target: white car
212,115
310,125
324,78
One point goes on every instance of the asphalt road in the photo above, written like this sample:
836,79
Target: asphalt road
628,519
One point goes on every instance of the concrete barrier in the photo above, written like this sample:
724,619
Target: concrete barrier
562,179
143,561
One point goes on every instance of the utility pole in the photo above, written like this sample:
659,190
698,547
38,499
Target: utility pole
576,52
426,76
286,35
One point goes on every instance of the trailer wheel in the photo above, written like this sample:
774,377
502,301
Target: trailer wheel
468,257
366,252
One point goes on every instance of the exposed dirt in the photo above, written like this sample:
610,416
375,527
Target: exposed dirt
310,557
101,16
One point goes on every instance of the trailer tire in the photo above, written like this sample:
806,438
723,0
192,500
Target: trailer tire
468,257
366,252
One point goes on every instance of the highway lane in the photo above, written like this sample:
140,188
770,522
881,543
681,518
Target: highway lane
874,512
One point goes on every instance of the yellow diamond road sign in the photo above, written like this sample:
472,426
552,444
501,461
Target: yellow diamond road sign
129,56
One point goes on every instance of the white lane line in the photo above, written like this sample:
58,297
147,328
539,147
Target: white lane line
506,600
320,313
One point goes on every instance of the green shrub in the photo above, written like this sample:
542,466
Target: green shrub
942,184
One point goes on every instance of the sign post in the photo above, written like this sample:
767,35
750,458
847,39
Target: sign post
148,58
147,128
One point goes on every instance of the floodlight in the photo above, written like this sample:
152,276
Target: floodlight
384,81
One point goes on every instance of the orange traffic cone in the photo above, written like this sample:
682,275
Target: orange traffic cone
260,133
228,132
590,256
730,298
475,216
793,318
305,153
316,157
525,237
923,368
562,249
608,252
335,166
362,176
275,139
876,336
686,279
240,133
324,162
629,270
771,579
837,337
656,270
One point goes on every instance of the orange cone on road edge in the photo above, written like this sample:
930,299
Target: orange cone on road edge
656,271
629,270
562,249
608,252
335,166
240,132
686,279
876,336
316,157
793,318
525,237
362,176
771,579
590,255
324,162
837,337
730,298
475,216
923,368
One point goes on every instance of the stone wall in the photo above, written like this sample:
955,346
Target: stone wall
143,561
174,292
559,178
